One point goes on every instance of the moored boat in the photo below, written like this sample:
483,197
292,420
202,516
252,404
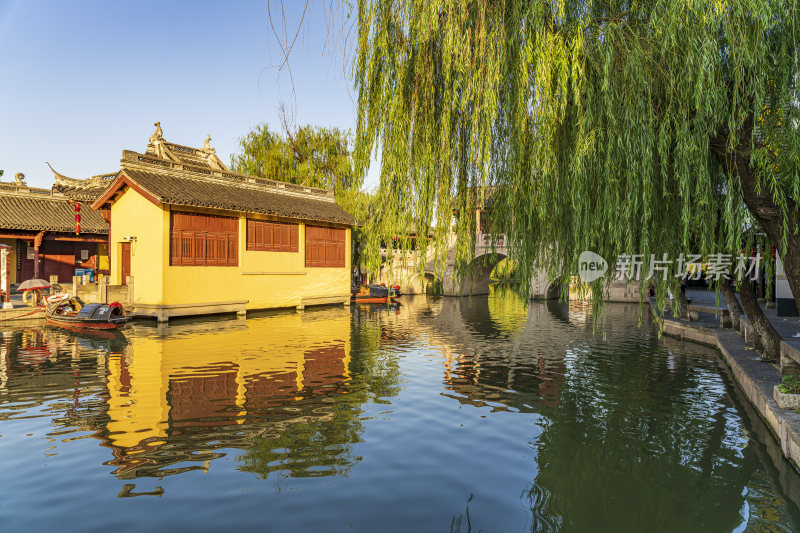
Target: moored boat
374,294
71,313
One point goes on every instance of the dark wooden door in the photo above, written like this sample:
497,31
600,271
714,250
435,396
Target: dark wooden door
125,258
26,265
59,260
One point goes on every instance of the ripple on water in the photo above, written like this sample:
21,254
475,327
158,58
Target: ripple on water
482,414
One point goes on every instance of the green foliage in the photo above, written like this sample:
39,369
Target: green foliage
505,270
601,126
790,384
312,156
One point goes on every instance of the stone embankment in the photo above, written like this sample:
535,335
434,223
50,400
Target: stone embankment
21,316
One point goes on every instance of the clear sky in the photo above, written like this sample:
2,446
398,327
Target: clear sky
83,80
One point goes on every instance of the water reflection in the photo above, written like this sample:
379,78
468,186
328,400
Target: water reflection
632,419
518,410
670,427
275,387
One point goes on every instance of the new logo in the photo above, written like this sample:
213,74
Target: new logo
591,266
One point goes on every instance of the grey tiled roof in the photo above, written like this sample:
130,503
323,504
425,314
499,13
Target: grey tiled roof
183,189
83,190
81,194
48,213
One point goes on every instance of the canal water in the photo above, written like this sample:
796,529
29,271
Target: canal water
446,414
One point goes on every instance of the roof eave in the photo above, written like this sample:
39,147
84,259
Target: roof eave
236,209
121,181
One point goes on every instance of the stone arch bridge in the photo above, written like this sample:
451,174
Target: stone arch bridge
489,251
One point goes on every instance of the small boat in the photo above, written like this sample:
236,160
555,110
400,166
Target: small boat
70,312
374,294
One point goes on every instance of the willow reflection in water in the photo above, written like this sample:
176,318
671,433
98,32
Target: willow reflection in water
414,415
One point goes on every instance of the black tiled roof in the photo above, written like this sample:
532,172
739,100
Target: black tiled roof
48,213
81,194
185,190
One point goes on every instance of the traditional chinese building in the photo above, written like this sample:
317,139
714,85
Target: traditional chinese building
196,238
39,226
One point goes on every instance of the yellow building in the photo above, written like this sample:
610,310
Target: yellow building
195,238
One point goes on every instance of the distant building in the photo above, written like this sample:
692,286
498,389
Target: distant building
40,228
197,238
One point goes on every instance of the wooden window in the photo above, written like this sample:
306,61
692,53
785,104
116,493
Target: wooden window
268,236
325,247
204,240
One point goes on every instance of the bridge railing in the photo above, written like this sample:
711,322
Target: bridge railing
489,239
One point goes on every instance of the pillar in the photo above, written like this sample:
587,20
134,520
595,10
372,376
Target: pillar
130,283
102,289
37,243
5,273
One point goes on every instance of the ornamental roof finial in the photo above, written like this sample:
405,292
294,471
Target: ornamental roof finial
157,136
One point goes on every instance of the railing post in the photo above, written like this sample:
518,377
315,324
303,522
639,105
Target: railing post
129,283
102,289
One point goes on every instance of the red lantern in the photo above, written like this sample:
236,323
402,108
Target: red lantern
77,218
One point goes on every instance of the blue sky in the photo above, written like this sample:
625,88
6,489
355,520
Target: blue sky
81,81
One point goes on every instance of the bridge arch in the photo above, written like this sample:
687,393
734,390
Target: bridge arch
478,276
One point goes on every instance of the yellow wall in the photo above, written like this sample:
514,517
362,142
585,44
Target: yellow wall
12,270
102,257
141,410
265,279
133,215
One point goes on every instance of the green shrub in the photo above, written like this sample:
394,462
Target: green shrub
790,384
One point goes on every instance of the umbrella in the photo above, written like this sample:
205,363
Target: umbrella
33,284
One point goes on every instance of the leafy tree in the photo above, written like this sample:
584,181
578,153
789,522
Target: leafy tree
619,126
308,155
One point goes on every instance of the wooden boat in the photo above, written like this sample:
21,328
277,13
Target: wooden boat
374,294
71,313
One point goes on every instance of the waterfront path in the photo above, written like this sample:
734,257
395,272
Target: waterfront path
757,378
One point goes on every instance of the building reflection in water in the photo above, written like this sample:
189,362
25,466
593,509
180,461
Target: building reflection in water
277,388
181,395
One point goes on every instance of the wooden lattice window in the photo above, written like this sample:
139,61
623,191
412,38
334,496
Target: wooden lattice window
203,240
325,247
268,236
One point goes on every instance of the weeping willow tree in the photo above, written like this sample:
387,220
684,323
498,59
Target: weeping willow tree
621,127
